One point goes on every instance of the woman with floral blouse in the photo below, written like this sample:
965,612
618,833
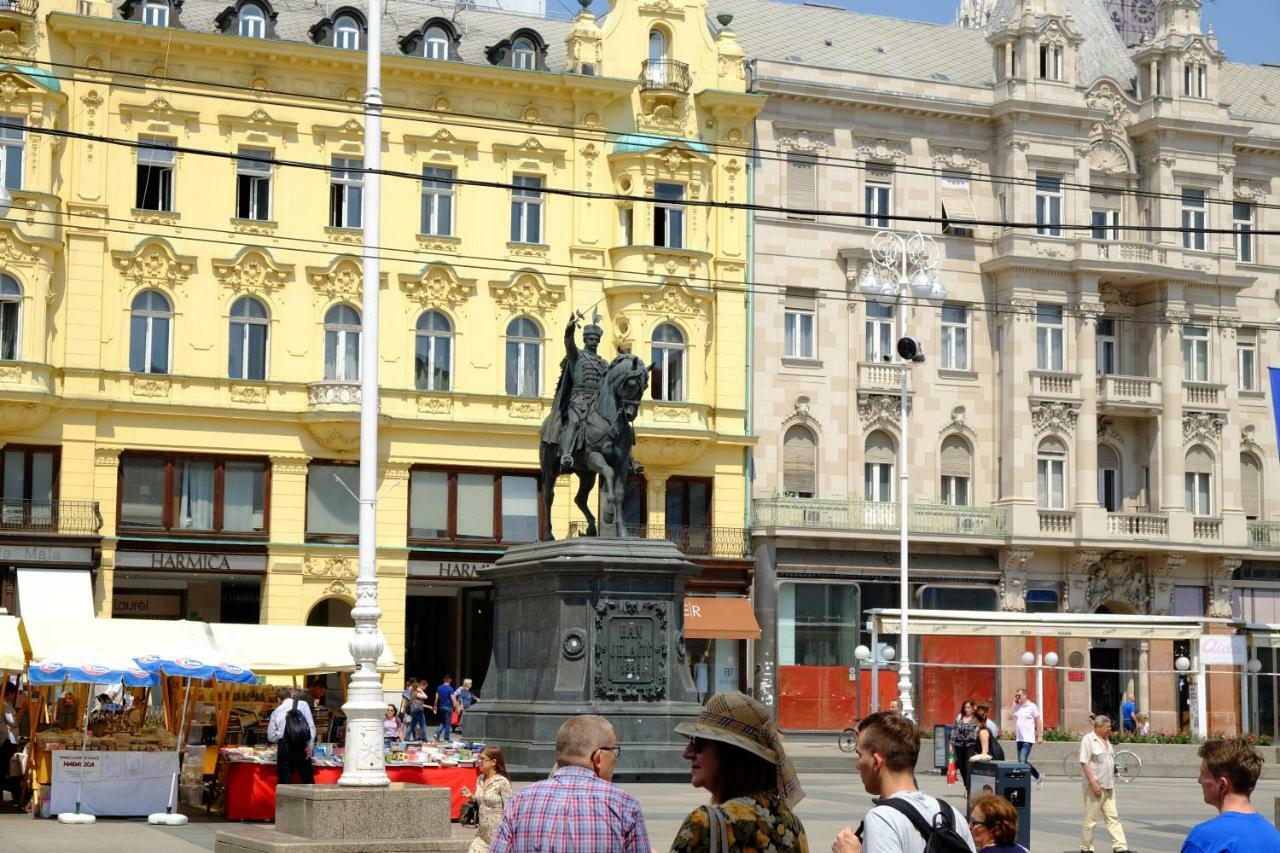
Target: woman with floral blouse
493,789
735,753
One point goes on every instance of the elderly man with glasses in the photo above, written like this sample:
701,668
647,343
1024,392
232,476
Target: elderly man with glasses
1098,761
578,808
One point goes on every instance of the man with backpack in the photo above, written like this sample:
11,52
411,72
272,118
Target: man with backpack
293,730
903,820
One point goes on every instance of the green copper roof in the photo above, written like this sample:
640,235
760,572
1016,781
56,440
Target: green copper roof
44,78
635,143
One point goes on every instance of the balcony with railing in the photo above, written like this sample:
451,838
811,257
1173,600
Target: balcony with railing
723,542
63,518
881,376
874,516
1206,529
1055,383
1118,392
333,392
1137,525
1205,395
665,75
1264,535
26,8
1057,522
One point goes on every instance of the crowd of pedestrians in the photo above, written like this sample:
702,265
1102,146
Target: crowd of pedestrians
420,706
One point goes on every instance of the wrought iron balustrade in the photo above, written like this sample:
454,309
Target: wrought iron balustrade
67,518
665,74
877,516
727,542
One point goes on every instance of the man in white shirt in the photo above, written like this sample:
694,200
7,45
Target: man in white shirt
888,746
1028,729
1098,763
295,755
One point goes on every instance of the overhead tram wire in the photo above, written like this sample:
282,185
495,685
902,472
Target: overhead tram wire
687,203
996,308
450,118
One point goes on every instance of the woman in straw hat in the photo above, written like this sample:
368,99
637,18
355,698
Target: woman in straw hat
735,753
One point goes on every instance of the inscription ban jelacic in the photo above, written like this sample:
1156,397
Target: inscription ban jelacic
631,650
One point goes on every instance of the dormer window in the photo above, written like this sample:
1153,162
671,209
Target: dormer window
1195,80
435,44
1050,62
346,33
252,23
523,55
155,13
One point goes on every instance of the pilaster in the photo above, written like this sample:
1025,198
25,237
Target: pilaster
289,498
1171,453
1093,517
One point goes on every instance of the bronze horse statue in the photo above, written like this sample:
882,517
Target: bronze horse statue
603,447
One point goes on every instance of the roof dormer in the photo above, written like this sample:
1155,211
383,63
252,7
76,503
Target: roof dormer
1036,45
436,39
1180,63
525,50
345,29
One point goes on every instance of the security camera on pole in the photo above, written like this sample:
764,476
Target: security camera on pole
901,267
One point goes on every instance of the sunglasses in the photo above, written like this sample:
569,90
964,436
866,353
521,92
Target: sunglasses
697,744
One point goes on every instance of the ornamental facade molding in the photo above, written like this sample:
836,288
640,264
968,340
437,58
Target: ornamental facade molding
1054,417
1221,571
1119,577
437,284
154,263
1202,427
879,410
1012,589
958,424
882,150
957,159
1251,190
526,292
342,280
335,567
674,300
804,141
252,271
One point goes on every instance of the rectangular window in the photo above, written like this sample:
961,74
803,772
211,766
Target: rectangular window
1106,224
346,192
526,209
955,338
1195,354
878,196
688,503
1193,211
877,482
29,478
1049,337
155,174
253,184
799,314
958,213
1242,224
802,185
12,144
1195,80
1109,489
1050,62
1049,205
1198,493
1247,358
879,332
1108,347
818,623
437,201
668,216
333,499
155,14
626,225
199,494
1051,483
453,505
955,490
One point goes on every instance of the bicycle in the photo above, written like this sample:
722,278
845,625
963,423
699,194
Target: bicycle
1128,766
848,740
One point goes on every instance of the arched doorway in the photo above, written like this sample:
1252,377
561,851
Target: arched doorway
331,613
1112,667
328,613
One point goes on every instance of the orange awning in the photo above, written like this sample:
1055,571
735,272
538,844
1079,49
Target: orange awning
709,618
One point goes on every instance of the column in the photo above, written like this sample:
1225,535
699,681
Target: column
1171,458
1144,677
766,605
1093,518
106,479
1234,528
1017,440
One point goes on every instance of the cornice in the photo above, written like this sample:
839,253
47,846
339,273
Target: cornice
894,102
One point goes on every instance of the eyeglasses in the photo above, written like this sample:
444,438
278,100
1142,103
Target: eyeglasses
985,823
697,744
616,750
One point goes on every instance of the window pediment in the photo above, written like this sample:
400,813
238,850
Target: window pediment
442,138
342,279
258,126
252,271
228,20
527,292
160,116
437,284
152,263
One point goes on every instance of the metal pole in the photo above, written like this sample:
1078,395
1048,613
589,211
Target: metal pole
875,665
364,764
904,653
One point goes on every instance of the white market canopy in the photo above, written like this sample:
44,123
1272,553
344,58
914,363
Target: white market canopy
12,655
292,649
1090,626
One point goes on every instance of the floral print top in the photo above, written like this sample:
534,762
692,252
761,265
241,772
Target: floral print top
761,823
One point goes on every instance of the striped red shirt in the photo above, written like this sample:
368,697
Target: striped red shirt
572,812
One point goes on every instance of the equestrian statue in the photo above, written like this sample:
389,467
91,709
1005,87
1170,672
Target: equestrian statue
589,429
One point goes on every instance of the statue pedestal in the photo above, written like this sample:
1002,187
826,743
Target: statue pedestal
588,626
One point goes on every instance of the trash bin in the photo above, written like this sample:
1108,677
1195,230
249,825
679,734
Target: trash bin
1008,779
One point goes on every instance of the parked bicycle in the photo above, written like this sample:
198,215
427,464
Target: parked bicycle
1128,766
848,739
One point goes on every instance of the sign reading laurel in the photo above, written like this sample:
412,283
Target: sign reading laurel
630,652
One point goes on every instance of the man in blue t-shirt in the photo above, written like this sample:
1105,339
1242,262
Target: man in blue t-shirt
1229,770
1127,710
444,706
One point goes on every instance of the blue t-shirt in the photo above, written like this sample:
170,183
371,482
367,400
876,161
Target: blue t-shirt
1233,832
444,697
1126,711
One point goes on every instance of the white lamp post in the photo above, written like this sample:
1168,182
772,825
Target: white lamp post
898,265
363,762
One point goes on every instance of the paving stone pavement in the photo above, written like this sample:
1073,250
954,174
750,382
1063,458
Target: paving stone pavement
1157,814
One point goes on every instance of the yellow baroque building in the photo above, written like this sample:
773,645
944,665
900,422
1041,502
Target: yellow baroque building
180,297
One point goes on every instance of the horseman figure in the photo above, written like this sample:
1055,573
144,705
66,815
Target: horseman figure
580,375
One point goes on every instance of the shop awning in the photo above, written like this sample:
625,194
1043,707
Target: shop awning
957,204
12,656
122,638
291,649
710,618
1095,626
55,594
1264,636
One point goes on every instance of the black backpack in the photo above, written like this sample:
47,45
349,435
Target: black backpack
942,836
297,734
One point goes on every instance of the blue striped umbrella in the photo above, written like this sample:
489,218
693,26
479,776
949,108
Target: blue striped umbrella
89,669
191,667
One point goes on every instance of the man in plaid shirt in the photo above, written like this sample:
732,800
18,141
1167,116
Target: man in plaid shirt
577,810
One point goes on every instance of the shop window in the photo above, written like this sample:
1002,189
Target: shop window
474,506
817,624
333,503
193,494
1042,601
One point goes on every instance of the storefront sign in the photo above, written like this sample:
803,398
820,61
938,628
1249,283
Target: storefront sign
191,561
38,554
1223,650
132,606
444,569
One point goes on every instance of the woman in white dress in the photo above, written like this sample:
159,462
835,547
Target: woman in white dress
493,789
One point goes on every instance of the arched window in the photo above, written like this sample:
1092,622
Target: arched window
252,21
878,461
799,462
1108,478
668,364
247,346
346,33
523,54
155,13
342,344
1051,474
433,353
657,45
1251,486
435,43
524,355
149,324
10,316
1198,477
956,470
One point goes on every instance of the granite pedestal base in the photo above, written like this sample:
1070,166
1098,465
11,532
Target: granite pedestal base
400,818
588,626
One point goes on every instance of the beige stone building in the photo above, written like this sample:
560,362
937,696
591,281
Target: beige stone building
1091,431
